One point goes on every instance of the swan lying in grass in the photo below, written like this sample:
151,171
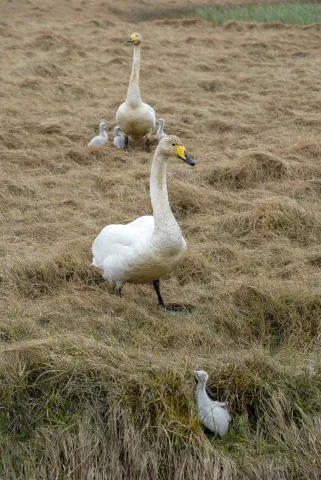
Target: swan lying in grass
135,118
160,132
151,246
119,139
212,414
102,138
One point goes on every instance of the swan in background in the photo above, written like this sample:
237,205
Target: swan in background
135,118
160,132
151,246
102,138
119,139
212,414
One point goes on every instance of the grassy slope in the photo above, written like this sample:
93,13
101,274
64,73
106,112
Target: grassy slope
93,386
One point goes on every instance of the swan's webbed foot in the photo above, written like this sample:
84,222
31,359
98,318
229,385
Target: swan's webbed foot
126,143
171,307
176,308
148,145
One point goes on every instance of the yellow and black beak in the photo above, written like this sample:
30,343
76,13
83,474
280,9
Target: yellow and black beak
131,39
182,154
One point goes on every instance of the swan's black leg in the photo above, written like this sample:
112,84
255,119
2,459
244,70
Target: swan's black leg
118,292
156,284
148,150
172,307
126,143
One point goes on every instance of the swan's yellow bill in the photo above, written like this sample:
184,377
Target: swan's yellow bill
133,38
181,151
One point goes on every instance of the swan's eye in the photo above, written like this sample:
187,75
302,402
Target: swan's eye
173,144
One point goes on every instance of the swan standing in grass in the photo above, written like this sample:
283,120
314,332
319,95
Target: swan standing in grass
119,139
151,246
135,118
160,132
212,414
102,138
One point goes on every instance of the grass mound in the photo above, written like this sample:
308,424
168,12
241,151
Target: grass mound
254,167
45,275
274,216
276,315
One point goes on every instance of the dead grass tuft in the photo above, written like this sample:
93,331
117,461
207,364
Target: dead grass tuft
277,314
307,149
46,41
274,216
252,168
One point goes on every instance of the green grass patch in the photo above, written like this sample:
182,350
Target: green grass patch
295,14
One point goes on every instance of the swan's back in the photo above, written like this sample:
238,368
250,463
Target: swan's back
213,414
122,240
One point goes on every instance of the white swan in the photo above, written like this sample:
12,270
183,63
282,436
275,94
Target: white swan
119,139
160,132
135,118
150,246
102,138
212,414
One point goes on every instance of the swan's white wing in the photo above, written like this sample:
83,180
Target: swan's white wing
119,141
122,241
99,140
152,112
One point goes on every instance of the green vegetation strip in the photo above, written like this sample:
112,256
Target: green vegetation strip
295,14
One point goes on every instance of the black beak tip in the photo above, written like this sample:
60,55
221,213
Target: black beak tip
189,160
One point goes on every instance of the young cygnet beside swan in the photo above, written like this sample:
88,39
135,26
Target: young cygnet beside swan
212,414
160,132
102,138
151,246
119,139
135,118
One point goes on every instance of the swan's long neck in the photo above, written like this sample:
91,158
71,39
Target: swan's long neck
161,126
200,390
166,230
102,130
133,92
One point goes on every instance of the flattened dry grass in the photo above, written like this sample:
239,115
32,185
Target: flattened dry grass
99,387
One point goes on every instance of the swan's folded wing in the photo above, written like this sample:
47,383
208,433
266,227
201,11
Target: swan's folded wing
143,224
152,112
122,240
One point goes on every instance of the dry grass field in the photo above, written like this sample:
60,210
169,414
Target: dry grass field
99,387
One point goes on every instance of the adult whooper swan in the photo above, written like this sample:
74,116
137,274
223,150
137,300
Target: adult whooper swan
102,138
135,118
213,414
119,139
151,246
160,132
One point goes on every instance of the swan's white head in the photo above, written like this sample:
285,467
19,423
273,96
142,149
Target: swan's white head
102,126
135,38
117,131
200,376
161,122
172,146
